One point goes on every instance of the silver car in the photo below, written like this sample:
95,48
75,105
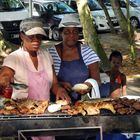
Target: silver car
134,11
50,12
98,14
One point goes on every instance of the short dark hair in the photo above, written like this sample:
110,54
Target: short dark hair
117,54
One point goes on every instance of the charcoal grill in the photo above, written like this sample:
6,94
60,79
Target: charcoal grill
37,130
78,131
110,124
47,123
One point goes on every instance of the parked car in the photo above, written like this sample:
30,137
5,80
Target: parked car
11,14
136,1
51,12
134,10
98,14
100,17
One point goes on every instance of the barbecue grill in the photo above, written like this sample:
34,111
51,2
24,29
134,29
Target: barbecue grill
78,131
60,123
110,124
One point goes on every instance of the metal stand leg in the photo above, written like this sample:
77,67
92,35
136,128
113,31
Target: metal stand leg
21,136
88,131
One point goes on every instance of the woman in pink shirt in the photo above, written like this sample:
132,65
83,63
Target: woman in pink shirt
32,66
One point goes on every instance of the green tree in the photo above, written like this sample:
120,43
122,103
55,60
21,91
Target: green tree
90,35
5,48
127,31
130,34
121,18
107,16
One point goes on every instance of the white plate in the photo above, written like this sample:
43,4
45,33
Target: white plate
54,108
131,97
80,86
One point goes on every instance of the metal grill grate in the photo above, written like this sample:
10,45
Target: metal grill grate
29,117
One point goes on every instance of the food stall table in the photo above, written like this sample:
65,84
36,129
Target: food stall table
9,127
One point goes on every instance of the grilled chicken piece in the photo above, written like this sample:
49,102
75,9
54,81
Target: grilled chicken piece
81,110
9,106
91,110
9,112
105,105
29,106
25,106
136,105
71,111
65,107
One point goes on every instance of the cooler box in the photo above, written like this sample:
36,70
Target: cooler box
105,85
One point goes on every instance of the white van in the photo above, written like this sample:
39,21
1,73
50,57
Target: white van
11,14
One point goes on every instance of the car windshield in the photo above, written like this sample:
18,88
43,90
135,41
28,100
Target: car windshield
10,5
94,5
135,3
59,8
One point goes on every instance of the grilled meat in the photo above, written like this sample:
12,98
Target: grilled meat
24,106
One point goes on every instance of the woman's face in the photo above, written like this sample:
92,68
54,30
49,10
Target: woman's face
70,35
32,42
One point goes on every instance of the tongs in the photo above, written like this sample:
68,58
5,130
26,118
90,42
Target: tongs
18,86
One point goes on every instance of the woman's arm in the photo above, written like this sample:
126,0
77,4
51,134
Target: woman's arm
95,76
58,90
67,86
6,76
94,72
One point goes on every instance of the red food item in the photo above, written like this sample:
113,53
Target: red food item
7,92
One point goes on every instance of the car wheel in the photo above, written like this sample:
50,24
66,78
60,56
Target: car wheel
55,34
134,22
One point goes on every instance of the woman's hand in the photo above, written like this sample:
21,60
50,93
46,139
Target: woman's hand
58,90
4,81
62,94
6,74
67,86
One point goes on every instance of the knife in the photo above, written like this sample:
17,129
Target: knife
18,86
